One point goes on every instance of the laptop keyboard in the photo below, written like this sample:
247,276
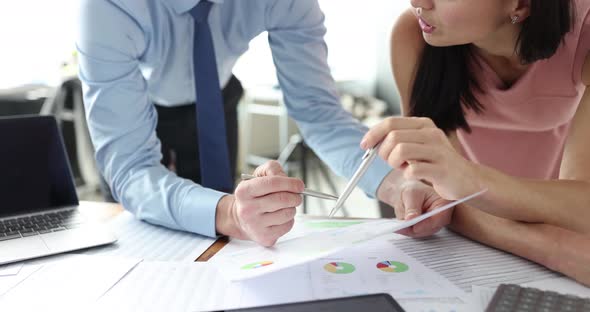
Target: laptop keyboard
40,224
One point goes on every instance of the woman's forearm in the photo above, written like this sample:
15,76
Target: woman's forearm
563,203
559,249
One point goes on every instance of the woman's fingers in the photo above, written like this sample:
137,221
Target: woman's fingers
407,152
394,138
380,131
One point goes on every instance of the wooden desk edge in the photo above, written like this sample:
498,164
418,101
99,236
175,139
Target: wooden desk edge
213,249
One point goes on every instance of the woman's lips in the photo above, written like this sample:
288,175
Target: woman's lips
427,28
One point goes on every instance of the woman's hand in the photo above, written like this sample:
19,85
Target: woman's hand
410,199
423,152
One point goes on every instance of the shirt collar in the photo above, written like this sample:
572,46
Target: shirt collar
183,6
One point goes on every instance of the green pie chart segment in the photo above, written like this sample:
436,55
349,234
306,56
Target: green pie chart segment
392,266
339,267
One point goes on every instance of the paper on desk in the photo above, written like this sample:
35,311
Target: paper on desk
258,261
138,239
465,262
481,297
10,269
10,281
365,269
174,286
170,286
304,225
68,285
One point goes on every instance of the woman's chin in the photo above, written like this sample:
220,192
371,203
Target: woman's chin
437,42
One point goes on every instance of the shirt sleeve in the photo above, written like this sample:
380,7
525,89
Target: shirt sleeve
122,122
296,36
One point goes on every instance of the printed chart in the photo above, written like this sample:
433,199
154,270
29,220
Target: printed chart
379,269
392,266
339,267
256,265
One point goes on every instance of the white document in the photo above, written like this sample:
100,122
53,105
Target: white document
10,269
8,282
258,261
304,225
68,285
379,268
170,286
481,297
466,262
175,286
138,239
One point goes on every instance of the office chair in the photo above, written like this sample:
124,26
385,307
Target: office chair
67,105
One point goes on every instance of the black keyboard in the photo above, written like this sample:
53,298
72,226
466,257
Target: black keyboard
40,224
515,298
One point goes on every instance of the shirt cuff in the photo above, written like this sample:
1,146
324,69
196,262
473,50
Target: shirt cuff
374,176
198,211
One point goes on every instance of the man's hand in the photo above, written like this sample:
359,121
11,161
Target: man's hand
262,209
411,198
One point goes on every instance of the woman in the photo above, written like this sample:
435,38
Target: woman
501,91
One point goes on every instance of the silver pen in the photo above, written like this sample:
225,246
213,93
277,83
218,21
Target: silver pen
305,191
368,158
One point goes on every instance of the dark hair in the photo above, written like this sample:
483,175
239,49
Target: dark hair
444,82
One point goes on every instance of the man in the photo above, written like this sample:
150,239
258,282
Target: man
147,65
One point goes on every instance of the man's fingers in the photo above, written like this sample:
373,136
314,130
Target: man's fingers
271,234
278,217
267,185
276,201
270,168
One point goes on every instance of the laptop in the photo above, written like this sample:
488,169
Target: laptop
39,209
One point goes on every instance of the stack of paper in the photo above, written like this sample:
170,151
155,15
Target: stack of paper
137,239
69,284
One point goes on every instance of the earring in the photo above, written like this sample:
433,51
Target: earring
419,11
514,19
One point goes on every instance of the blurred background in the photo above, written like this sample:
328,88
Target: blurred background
38,76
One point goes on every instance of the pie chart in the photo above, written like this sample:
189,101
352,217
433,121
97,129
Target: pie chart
339,267
256,265
392,266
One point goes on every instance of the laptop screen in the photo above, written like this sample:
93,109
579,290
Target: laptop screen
34,169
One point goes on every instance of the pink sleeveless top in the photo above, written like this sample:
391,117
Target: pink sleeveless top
522,130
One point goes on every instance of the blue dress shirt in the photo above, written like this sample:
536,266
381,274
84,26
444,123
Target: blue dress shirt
134,53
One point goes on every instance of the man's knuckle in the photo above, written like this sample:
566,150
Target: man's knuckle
244,214
242,190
